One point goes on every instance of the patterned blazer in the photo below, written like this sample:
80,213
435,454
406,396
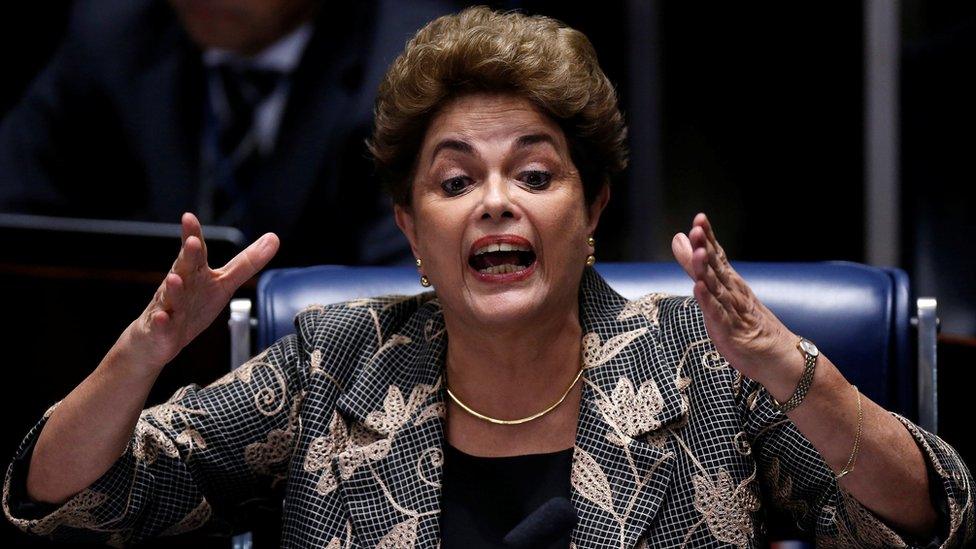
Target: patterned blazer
346,419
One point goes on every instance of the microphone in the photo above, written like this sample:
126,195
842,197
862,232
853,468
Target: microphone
544,525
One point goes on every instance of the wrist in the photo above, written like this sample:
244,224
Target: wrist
780,361
132,356
785,371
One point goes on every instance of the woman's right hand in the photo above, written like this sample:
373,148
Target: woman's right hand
191,296
91,427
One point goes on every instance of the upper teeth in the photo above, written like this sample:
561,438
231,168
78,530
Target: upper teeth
502,247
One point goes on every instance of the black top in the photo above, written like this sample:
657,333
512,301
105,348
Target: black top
484,498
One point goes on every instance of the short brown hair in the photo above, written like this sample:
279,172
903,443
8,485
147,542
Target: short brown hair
483,50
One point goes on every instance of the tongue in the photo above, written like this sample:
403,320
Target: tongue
493,259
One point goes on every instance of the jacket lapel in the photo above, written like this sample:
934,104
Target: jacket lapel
391,467
390,471
621,466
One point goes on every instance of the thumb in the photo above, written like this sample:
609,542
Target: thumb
681,248
247,263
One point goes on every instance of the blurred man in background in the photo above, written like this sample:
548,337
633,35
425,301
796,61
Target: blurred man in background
251,113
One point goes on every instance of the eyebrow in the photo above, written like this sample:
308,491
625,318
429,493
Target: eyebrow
466,148
452,145
533,139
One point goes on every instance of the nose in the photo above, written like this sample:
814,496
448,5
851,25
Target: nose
496,200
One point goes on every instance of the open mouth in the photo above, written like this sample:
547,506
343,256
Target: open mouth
501,255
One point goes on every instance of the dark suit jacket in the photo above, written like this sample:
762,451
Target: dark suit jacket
673,447
111,129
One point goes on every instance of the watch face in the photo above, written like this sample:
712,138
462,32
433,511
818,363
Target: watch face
808,347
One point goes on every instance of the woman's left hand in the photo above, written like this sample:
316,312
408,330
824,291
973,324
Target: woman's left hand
743,330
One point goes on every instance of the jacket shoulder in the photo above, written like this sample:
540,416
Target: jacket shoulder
339,339
672,315
683,324
346,329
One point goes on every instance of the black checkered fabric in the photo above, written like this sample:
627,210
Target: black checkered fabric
346,419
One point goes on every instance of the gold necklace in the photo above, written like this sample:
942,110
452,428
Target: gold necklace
489,419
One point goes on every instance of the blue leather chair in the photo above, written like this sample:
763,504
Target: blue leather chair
862,317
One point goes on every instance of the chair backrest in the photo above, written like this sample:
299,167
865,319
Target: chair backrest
858,315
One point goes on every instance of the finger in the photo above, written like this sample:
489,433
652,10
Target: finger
699,241
717,260
191,227
706,225
681,248
247,263
721,256
191,258
173,292
712,310
156,321
160,320
706,274
186,224
725,275
697,238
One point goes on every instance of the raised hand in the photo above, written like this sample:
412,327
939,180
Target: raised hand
192,295
744,331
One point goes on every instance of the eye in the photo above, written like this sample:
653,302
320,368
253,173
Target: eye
456,185
535,179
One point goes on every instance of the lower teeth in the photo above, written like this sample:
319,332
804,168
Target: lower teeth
502,269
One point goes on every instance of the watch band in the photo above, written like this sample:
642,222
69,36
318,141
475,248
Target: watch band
806,379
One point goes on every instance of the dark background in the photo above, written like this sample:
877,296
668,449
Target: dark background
752,112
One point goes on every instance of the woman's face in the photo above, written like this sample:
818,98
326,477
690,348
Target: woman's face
498,215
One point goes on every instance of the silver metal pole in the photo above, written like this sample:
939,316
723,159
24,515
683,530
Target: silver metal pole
928,378
881,136
240,331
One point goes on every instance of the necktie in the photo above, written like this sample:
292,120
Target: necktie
237,144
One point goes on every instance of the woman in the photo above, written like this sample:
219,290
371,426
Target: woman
498,134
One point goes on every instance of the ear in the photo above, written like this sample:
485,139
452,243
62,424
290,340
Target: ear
596,208
404,220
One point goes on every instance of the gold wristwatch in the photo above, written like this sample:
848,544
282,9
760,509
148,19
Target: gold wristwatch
810,354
